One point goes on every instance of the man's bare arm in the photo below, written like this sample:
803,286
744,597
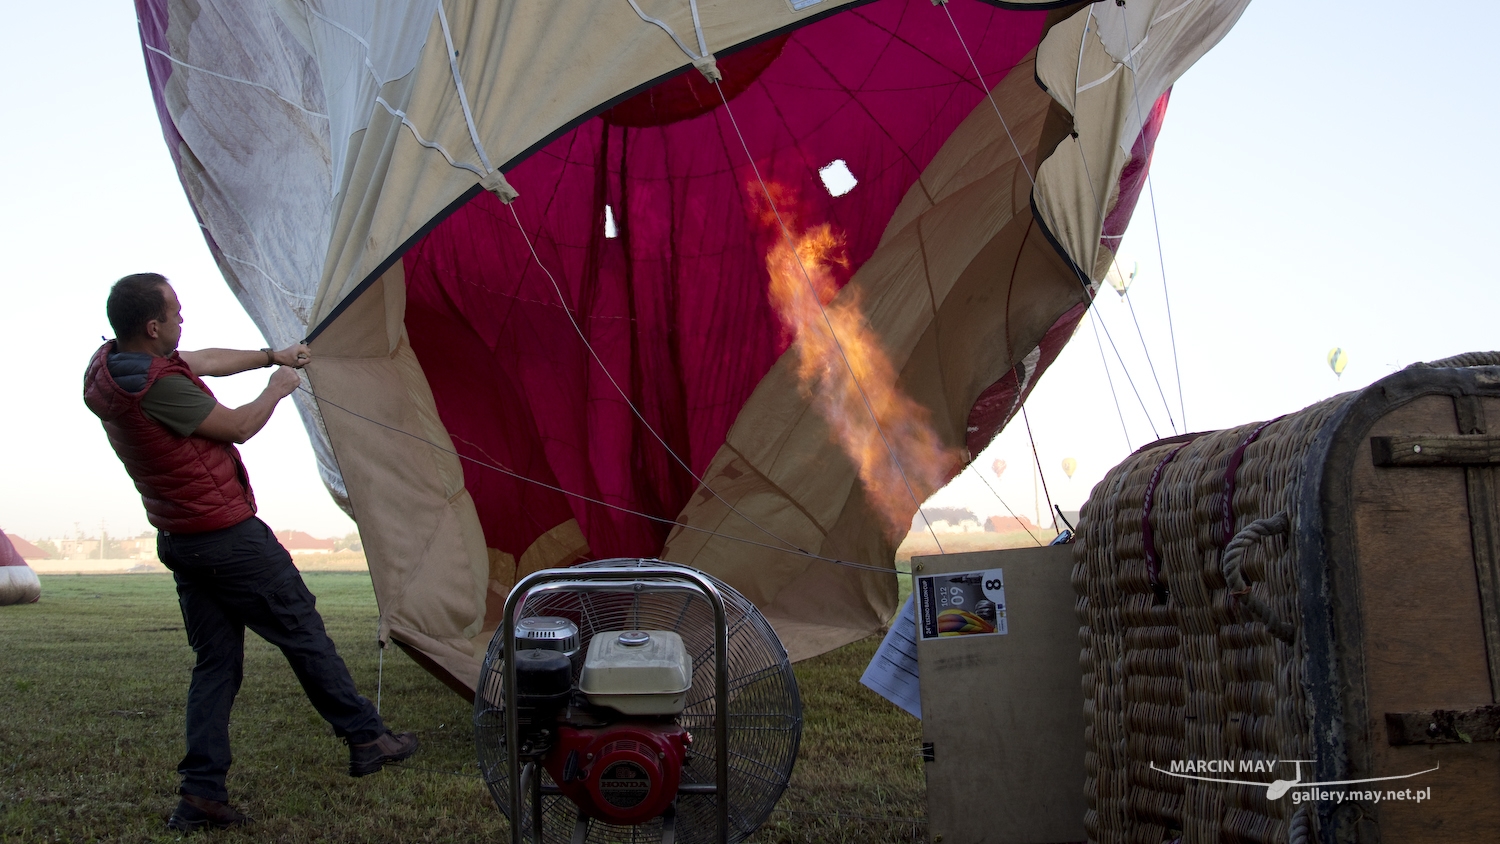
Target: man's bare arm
236,425
213,362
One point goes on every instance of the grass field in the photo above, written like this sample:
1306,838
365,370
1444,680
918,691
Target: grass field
92,685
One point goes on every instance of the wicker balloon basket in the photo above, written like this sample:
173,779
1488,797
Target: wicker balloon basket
1311,599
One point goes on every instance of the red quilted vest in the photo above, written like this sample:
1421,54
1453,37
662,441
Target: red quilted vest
188,484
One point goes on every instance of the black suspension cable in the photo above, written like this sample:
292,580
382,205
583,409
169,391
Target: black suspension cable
1104,361
980,474
1038,458
1159,390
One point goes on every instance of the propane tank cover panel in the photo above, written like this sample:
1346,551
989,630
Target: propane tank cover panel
638,672
1003,715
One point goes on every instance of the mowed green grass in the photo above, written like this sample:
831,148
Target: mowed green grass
93,681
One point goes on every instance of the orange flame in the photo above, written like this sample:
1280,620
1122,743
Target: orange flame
840,372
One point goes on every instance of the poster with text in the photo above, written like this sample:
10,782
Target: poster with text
966,603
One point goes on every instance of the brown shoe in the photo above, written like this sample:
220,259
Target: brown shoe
370,757
194,813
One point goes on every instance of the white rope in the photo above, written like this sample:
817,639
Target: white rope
174,60
807,278
433,145
989,95
347,31
1078,71
257,267
1099,208
1104,361
1150,364
379,674
463,98
799,552
979,473
1087,174
369,65
1095,320
1155,218
703,60
626,398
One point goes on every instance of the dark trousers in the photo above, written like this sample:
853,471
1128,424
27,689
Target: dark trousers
241,577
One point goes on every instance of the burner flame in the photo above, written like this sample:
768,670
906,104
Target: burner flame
847,375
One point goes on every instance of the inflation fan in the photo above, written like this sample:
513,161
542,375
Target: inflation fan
605,728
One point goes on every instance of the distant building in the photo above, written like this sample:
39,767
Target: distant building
946,520
297,542
1008,524
79,549
142,547
26,549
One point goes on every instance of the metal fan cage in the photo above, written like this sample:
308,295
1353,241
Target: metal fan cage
764,712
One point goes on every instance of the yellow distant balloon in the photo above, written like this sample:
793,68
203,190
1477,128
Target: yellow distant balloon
1069,466
1118,280
999,467
1337,360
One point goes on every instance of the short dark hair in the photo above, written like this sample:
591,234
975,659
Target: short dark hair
134,301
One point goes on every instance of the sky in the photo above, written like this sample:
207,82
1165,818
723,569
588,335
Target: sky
1323,179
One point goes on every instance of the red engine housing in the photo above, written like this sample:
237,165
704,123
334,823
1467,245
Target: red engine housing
625,773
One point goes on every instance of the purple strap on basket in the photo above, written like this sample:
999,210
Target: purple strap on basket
1232,470
1153,565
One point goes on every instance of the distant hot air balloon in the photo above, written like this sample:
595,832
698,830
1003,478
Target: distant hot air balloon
998,467
1069,466
18,583
1118,280
1337,360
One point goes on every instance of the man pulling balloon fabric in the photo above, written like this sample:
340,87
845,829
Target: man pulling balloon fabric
177,444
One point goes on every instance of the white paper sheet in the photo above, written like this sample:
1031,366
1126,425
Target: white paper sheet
892,674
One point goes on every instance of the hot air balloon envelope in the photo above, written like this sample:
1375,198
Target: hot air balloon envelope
18,583
537,254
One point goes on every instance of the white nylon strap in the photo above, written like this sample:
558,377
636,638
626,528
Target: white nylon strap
493,180
703,60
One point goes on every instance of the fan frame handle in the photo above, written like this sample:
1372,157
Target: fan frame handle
626,578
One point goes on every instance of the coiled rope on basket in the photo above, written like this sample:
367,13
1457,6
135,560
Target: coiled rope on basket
1299,831
1233,568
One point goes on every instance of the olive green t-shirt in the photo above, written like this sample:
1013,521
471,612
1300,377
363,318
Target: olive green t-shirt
177,403
173,401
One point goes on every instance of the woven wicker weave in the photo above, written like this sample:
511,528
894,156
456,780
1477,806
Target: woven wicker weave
1196,676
